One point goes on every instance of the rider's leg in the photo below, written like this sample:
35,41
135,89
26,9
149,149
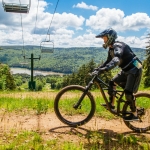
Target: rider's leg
119,79
112,86
131,99
132,84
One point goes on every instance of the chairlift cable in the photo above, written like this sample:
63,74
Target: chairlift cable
22,31
45,42
36,18
52,18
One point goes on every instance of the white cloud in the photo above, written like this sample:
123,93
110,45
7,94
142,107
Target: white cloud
116,19
136,21
106,18
66,20
85,6
65,25
132,41
11,30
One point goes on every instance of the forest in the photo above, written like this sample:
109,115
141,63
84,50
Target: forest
63,60
75,63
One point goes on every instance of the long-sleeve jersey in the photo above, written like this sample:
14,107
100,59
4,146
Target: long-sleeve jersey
120,54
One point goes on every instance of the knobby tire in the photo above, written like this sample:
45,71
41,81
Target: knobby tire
64,100
142,99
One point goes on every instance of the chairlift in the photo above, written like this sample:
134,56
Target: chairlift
148,47
16,8
47,46
24,63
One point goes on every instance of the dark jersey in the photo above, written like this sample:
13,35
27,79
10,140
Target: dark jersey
120,54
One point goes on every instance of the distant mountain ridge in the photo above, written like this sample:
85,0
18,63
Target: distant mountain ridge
63,60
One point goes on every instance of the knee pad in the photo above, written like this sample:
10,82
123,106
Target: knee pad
128,95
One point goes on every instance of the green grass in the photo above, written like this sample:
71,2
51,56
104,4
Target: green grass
10,102
29,140
100,110
143,102
17,104
24,141
93,140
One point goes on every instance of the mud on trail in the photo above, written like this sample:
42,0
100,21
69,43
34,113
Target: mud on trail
50,127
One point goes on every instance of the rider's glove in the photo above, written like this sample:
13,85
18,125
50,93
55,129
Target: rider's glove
98,71
95,72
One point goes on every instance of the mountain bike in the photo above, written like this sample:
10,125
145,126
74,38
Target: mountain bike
75,105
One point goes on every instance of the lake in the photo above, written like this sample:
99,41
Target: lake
35,72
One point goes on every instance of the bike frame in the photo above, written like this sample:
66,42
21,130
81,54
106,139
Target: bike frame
117,93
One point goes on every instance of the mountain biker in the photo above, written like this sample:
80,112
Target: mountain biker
120,54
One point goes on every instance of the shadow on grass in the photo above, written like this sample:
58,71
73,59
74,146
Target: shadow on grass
106,139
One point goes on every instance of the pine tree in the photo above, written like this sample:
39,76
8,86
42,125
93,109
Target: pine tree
6,79
146,65
81,77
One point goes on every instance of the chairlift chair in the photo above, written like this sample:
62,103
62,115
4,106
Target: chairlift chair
148,47
16,8
47,46
23,63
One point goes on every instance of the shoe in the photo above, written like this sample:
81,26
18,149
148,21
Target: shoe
131,117
105,105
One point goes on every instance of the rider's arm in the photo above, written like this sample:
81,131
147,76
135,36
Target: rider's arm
112,64
118,52
107,61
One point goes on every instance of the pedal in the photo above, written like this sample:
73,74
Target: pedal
140,111
104,105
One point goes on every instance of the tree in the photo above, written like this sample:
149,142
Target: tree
6,78
146,65
81,77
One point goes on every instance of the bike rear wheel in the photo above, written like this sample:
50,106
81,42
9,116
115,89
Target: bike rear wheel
67,98
143,110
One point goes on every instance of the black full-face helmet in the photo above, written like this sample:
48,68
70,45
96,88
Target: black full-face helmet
111,34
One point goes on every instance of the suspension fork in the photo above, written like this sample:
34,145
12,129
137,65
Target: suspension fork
75,106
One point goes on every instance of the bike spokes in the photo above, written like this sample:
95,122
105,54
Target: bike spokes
70,110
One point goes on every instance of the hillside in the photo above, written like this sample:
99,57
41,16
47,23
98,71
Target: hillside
64,60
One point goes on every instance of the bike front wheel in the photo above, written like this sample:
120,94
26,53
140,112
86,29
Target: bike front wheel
64,106
143,111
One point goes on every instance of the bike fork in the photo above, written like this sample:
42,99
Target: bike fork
78,104
75,106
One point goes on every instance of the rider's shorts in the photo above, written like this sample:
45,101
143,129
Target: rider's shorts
129,80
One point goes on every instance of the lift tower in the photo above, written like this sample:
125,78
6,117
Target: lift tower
32,83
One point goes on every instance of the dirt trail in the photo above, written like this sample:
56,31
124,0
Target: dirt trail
50,127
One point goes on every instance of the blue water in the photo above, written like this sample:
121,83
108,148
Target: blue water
35,72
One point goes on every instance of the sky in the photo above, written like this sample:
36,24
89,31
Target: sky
75,23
